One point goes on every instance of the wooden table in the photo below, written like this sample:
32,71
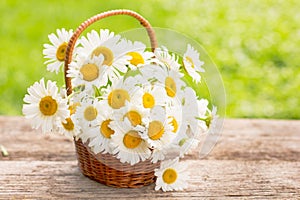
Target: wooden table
253,159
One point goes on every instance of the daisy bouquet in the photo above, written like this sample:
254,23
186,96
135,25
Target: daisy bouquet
128,107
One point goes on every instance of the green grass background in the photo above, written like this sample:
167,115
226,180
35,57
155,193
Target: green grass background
254,43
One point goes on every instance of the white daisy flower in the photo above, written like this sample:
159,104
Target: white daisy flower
175,114
192,63
172,83
111,47
94,39
198,123
159,132
150,95
128,145
157,155
171,175
202,106
212,119
56,51
44,106
69,127
139,56
87,114
193,111
184,142
119,92
100,135
165,58
134,113
88,72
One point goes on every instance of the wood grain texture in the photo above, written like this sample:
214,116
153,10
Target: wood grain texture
253,159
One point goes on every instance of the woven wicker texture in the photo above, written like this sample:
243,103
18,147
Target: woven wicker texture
105,168
108,170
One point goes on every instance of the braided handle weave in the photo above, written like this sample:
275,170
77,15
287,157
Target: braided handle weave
90,21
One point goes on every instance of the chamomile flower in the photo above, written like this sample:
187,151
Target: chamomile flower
128,145
157,155
202,125
197,119
212,119
165,58
192,63
184,142
194,110
55,52
175,114
179,131
119,92
88,72
100,135
87,113
171,175
94,39
44,106
134,113
138,54
69,127
150,95
172,83
159,132
111,47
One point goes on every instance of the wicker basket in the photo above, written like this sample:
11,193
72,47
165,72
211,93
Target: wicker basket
105,168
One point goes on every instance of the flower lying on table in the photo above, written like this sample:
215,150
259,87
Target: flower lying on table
126,101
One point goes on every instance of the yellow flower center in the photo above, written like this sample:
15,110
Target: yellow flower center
148,100
156,130
136,59
134,117
61,52
89,72
106,52
90,113
132,139
69,125
169,176
48,106
190,60
174,124
105,129
72,108
170,86
117,98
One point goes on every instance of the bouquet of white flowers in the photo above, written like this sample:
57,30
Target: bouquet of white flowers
130,110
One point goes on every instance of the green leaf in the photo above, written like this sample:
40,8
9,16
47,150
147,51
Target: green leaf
97,92
132,73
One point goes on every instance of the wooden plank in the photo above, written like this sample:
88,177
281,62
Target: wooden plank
210,179
245,139
252,159
241,139
24,143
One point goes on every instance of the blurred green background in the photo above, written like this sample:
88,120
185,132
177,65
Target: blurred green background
254,43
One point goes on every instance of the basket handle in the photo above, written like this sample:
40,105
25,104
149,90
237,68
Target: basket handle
90,21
